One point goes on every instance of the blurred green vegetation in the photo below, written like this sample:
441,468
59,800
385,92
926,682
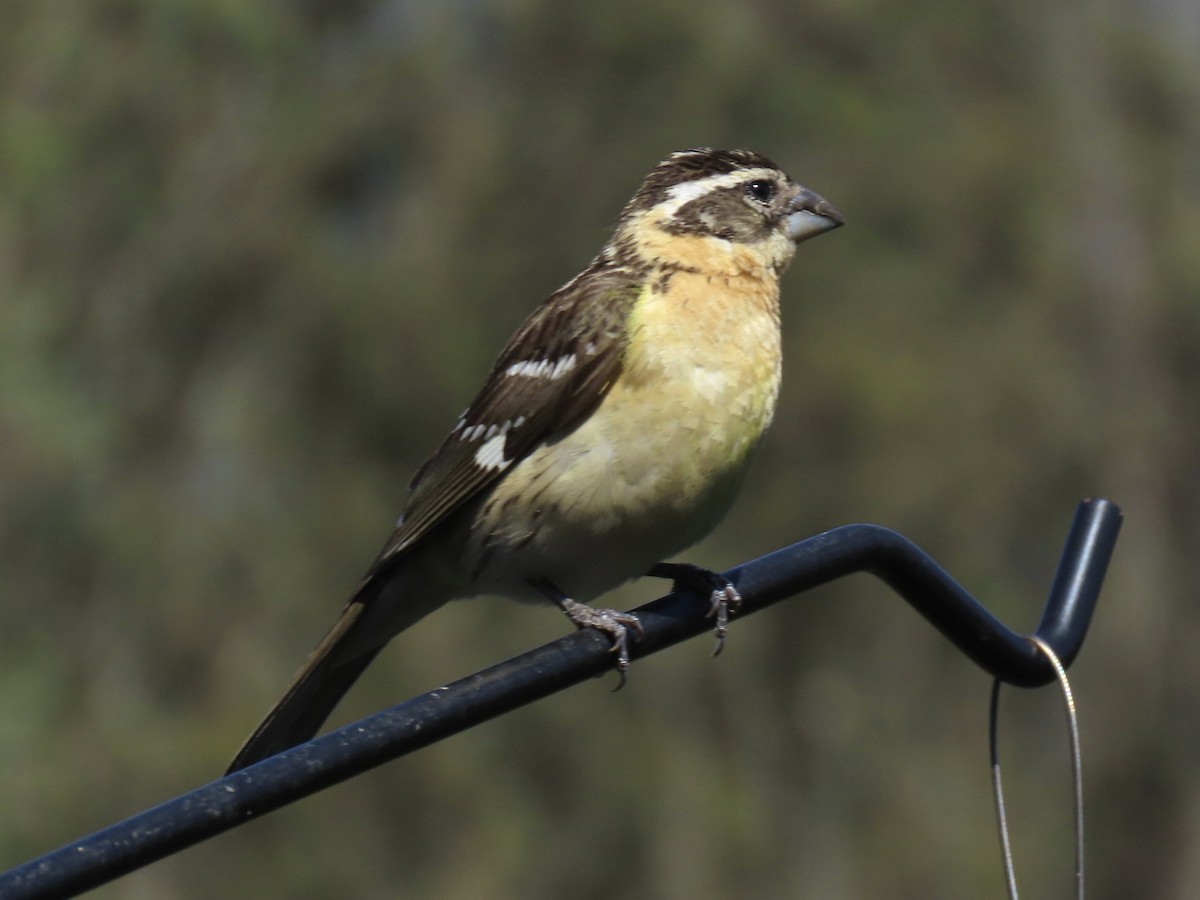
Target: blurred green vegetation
255,257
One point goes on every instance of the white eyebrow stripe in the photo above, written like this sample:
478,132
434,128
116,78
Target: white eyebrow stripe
685,192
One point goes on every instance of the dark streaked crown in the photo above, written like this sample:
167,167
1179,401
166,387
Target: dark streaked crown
690,165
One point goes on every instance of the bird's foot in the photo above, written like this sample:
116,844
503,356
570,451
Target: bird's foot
724,599
616,625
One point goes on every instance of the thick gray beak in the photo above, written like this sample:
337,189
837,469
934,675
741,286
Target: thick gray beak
811,215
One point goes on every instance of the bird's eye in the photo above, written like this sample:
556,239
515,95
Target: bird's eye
761,189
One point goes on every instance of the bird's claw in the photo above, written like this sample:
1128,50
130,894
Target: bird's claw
724,599
616,625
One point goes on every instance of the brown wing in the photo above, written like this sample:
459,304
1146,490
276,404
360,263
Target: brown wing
552,373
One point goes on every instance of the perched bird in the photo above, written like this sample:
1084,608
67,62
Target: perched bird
612,432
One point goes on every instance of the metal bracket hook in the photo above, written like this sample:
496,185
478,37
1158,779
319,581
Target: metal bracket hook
249,793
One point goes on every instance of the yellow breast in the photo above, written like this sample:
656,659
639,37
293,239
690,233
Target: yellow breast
704,354
659,462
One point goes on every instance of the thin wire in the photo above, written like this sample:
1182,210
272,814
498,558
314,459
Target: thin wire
1010,877
1076,757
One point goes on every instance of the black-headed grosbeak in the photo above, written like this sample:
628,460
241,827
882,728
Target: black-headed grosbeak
612,432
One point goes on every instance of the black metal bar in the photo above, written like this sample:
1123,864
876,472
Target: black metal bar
259,789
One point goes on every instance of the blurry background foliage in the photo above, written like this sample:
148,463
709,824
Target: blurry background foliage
255,258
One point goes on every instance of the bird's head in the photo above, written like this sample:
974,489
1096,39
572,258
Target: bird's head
701,201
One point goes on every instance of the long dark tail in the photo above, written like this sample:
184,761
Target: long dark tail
382,608
314,692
